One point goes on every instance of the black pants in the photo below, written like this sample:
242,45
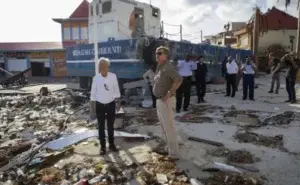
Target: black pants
248,84
153,97
201,87
290,88
231,84
107,111
184,91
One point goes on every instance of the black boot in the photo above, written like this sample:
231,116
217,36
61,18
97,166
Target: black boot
113,148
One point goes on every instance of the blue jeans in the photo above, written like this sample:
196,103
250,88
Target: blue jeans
248,84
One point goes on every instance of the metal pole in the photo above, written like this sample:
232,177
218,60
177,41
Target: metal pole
180,32
95,35
298,35
201,36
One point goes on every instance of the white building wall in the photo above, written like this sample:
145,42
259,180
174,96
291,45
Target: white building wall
278,37
116,23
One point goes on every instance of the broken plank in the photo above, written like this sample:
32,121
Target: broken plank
205,141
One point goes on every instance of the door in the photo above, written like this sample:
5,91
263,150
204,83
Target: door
139,22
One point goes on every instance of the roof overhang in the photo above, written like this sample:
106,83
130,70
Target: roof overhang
58,20
241,31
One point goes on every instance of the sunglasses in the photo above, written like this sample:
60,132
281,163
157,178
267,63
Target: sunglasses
159,53
106,87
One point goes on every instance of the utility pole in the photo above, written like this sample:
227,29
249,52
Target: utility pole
256,33
95,36
201,36
298,35
180,32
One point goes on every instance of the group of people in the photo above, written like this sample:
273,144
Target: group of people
233,73
292,64
187,68
170,84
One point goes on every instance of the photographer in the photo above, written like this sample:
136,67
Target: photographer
292,63
248,78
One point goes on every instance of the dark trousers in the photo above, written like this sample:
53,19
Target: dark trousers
248,84
201,87
184,91
231,84
290,88
107,111
153,97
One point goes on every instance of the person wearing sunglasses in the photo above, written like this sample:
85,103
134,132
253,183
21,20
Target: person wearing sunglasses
166,82
106,93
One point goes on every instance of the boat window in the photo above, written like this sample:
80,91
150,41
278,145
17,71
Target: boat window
106,7
155,12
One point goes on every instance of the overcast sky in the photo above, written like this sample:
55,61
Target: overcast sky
31,20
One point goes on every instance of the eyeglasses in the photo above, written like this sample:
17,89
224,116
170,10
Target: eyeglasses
106,87
159,53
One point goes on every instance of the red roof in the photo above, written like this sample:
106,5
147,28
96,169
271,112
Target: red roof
277,19
30,46
82,11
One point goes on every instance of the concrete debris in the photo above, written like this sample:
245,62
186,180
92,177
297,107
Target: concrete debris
75,138
131,85
222,178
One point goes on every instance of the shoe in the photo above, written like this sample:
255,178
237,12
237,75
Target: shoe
233,95
287,101
244,98
293,102
199,101
113,148
102,151
177,111
252,99
270,92
276,92
186,109
203,101
227,95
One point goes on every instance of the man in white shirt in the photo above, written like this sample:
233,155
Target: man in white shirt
105,92
185,69
148,76
232,70
248,78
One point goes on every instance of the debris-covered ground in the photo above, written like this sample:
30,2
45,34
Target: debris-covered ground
48,140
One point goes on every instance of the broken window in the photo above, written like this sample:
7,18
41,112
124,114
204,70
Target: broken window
155,12
106,7
91,10
97,9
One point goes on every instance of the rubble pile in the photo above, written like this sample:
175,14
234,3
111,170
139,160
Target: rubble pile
235,156
222,178
159,170
268,141
284,118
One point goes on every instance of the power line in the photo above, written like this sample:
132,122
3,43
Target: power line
190,34
171,24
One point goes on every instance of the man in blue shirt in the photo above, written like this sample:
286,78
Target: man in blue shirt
248,78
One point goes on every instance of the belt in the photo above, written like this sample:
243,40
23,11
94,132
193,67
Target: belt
161,97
